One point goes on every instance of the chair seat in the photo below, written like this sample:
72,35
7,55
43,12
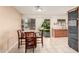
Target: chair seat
30,43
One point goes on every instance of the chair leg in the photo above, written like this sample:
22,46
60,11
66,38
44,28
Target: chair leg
33,49
26,50
35,43
42,41
21,41
25,47
18,43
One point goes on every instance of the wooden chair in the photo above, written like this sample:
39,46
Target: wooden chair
30,40
21,38
39,34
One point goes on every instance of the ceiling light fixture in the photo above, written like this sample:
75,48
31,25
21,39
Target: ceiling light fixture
38,8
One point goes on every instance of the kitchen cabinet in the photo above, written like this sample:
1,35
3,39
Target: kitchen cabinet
60,32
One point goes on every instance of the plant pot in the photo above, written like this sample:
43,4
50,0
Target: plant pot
46,34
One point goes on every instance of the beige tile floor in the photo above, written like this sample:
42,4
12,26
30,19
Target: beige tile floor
54,45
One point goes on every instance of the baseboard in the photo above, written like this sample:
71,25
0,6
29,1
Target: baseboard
11,47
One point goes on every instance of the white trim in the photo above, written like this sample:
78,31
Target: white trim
11,47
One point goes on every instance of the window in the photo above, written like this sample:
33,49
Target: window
31,23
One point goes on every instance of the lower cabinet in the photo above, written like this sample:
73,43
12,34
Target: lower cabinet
60,32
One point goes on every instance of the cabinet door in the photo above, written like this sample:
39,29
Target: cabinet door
65,33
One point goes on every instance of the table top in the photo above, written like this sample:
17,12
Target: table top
29,31
43,29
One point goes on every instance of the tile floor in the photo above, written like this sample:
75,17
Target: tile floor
54,45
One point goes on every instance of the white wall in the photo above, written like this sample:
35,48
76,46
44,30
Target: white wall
10,21
54,20
39,22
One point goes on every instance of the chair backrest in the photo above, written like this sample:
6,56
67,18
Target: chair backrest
30,34
20,34
39,34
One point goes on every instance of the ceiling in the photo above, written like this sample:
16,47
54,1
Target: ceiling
46,10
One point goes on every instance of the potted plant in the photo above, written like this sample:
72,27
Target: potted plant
46,28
